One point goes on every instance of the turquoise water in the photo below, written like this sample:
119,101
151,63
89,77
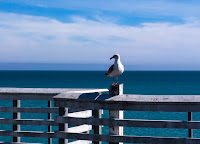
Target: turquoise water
139,82
135,82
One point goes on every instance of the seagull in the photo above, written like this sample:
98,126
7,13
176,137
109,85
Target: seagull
116,69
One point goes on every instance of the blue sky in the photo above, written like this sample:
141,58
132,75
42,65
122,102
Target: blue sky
162,34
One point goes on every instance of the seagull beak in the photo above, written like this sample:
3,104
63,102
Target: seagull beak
111,58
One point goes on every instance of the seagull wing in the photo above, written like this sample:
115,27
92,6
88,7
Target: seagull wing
110,70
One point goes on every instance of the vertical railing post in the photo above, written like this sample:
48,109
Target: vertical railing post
190,131
63,127
16,103
116,89
97,129
49,118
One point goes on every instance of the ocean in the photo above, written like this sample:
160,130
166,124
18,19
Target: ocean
135,82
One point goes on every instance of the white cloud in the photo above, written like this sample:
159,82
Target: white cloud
27,38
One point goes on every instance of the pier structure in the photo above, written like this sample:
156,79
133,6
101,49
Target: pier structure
79,115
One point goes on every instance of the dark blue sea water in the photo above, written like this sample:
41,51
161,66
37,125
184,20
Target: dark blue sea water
135,82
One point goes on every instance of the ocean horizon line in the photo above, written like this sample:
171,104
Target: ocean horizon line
92,67
98,70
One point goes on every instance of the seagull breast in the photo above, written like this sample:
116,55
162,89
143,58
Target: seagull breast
116,69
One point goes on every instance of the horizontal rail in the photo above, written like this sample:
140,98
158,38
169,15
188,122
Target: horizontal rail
130,123
35,110
83,114
80,142
39,94
131,106
128,98
80,129
27,96
48,90
28,134
128,139
28,122
17,143
28,110
75,110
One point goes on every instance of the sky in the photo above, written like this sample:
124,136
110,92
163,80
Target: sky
148,34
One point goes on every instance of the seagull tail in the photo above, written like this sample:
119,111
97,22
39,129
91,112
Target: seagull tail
107,74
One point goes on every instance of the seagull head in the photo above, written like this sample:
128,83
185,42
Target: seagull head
116,56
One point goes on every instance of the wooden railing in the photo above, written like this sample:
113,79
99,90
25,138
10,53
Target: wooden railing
79,115
119,103
16,95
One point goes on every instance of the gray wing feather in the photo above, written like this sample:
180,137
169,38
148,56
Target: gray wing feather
110,69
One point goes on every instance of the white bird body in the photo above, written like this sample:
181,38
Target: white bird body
116,69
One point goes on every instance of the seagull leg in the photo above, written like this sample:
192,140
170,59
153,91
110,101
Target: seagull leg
113,81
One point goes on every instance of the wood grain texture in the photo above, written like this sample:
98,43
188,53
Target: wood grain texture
176,124
129,139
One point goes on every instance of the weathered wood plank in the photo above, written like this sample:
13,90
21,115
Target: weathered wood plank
83,114
131,122
116,114
28,110
130,98
81,142
49,118
129,139
181,103
26,96
28,134
18,143
80,129
54,91
39,93
75,110
16,127
78,96
28,122
113,129
89,91
63,127
116,89
156,98
42,90
131,106
97,129
190,131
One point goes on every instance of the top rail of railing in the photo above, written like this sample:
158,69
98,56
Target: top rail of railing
170,103
40,93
